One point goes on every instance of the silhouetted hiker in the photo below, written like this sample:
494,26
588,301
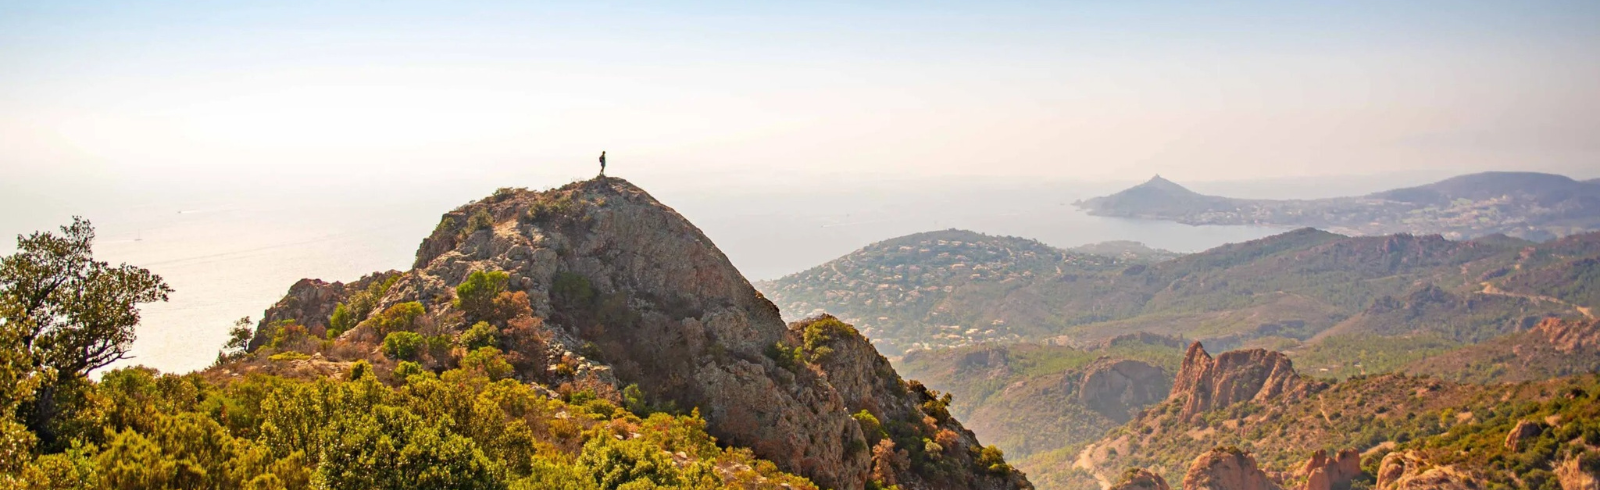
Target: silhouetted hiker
602,163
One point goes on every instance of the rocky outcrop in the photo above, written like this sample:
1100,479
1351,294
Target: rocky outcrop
1226,468
309,302
1324,473
867,382
1574,474
617,281
1522,431
1569,336
1116,388
1141,479
1407,470
1204,383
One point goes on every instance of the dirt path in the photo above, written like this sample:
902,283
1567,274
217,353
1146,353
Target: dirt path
1489,288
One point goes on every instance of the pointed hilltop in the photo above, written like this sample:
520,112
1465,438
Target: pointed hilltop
602,289
1527,205
1154,198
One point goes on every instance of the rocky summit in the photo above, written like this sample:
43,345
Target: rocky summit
617,294
1204,383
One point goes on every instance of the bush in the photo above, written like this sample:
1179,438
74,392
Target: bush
341,321
870,426
475,296
403,345
487,360
480,220
479,335
406,369
398,318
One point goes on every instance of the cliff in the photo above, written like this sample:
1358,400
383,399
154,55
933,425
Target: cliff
607,290
1204,383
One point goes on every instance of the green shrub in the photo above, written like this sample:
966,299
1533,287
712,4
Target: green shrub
479,335
406,369
480,220
399,318
487,360
870,427
403,345
341,321
475,296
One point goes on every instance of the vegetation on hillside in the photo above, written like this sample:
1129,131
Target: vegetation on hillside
436,411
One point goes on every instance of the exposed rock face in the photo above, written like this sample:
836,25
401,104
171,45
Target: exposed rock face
1141,479
1574,476
624,283
309,302
1324,473
1226,469
866,381
1115,388
1204,383
1408,471
1524,430
1570,336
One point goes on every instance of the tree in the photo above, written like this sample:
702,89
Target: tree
476,295
72,314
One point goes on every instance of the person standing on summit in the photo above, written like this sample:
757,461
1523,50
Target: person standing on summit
602,162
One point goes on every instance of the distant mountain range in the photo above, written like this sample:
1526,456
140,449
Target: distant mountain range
1528,205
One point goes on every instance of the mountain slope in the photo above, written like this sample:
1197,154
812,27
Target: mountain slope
1521,204
1285,290
1509,434
941,288
598,288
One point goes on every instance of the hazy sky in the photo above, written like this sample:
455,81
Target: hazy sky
253,93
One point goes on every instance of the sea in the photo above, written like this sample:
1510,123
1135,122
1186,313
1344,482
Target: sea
231,249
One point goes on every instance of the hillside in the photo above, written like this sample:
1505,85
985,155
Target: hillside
599,292
936,289
1028,398
1550,349
1395,428
1288,291
1519,204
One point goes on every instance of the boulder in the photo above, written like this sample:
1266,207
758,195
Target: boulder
1523,431
1406,470
1226,468
1324,473
1141,479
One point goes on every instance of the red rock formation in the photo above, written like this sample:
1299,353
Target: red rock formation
1570,336
1324,473
1227,468
1573,476
1524,430
1141,479
1408,471
1204,383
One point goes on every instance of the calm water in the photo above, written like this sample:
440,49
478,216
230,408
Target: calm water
232,252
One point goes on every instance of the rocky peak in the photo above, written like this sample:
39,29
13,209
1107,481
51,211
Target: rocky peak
1204,383
1226,468
623,290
